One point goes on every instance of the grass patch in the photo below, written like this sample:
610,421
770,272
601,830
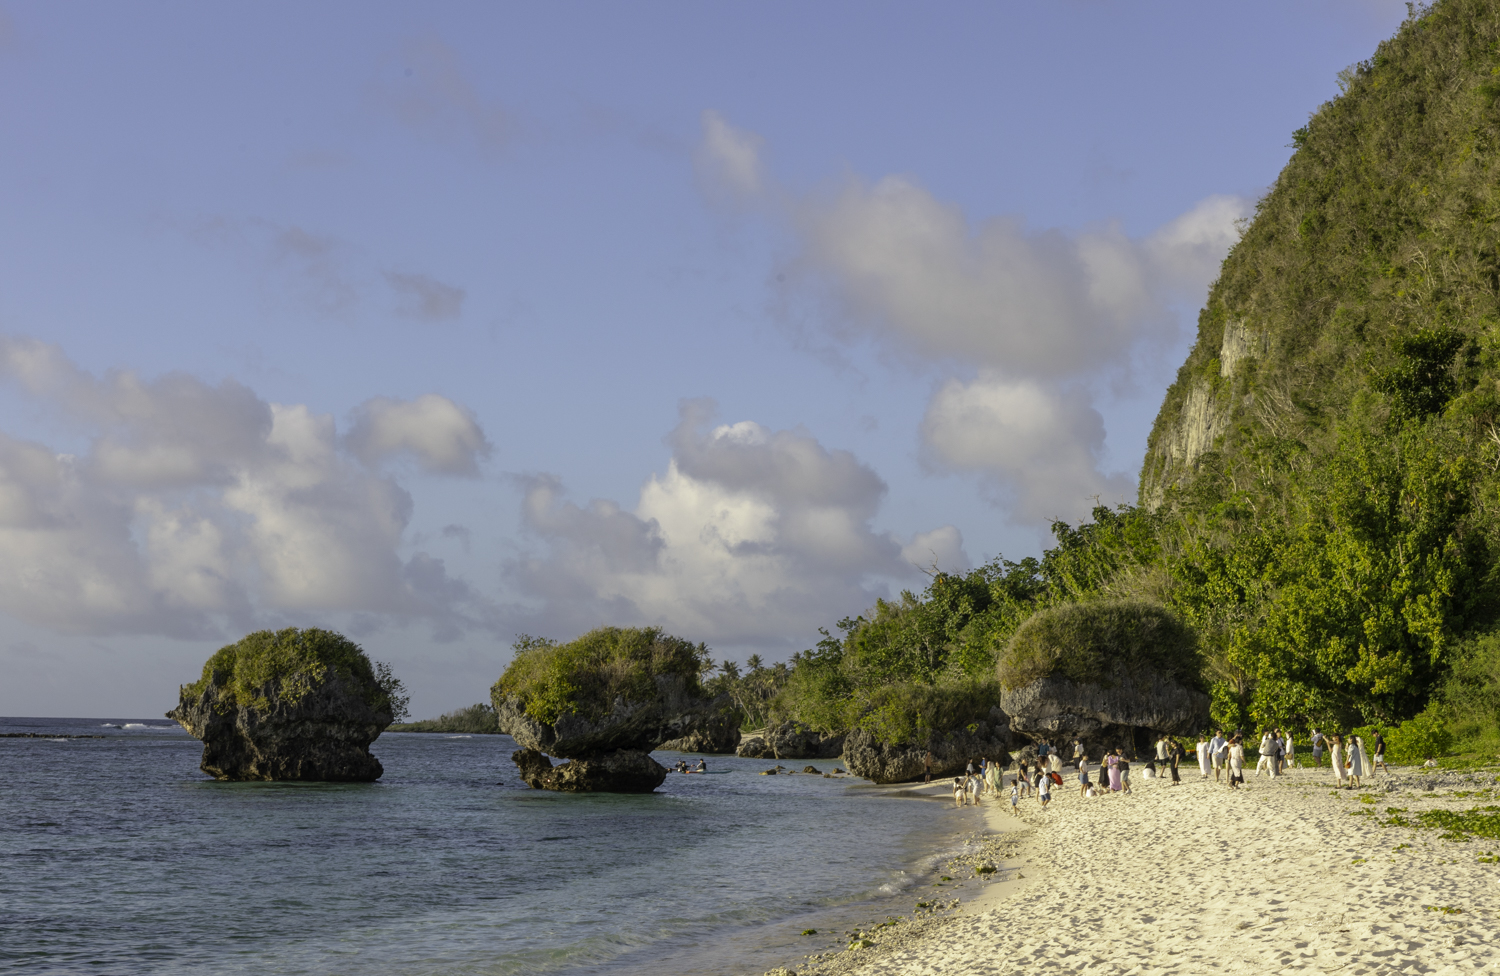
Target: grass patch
1454,825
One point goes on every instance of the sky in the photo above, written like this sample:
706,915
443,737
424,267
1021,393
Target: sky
438,324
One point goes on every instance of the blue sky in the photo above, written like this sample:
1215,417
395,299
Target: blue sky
441,323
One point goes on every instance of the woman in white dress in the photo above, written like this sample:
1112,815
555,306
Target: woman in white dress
1203,756
1356,760
1236,762
1291,752
1336,753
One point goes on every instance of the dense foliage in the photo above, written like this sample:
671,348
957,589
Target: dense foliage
299,661
1090,642
474,720
585,676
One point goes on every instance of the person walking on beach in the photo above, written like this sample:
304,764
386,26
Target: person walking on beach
1357,760
1218,748
1203,756
1318,741
1379,762
1175,752
1236,762
1015,798
1291,751
1336,756
975,784
960,795
1044,790
1124,771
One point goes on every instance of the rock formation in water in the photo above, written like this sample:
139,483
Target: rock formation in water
290,705
952,751
715,730
604,701
792,740
620,771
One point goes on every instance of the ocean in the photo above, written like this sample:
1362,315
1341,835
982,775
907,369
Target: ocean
117,855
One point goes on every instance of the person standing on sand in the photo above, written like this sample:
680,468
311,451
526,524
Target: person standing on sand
960,795
1291,751
1083,775
1113,762
1317,743
975,783
1175,752
1161,752
1077,751
927,765
1015,797
1124,771
1203,756
1219,749
1336,756
1379,762
1357,761
1044,790
1236,762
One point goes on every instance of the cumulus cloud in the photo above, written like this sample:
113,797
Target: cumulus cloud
198,507
424,298
1038,447
728,159
913,271
749,535
443,437
1032,319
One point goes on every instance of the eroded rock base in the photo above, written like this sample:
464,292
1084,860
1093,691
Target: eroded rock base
624,771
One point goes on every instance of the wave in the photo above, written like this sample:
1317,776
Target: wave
142,725
458,737
109,725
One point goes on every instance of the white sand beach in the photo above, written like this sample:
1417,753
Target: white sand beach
1284,876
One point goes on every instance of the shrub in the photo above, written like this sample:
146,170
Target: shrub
585,677
1087,642
910,712
474,720
300,660
1419,739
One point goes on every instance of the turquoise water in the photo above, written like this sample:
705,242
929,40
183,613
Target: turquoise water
118,856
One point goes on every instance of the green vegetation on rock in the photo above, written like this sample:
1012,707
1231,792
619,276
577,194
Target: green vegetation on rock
585,676
300,660
1088,642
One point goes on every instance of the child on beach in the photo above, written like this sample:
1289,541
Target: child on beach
1083,775
1015,797
1044,790
960,795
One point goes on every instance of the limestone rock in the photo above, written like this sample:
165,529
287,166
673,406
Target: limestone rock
639,726
716,733
621,771
1104,715
951,752
791,740
320,732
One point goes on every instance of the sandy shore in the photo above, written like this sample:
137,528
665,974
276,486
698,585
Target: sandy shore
1286,875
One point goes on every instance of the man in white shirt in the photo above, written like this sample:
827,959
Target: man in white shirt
1218,750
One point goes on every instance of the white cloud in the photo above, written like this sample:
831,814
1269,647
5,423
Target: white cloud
1043,317
941,549
728,159
198,508
1038,448
443,437
749,535
912,271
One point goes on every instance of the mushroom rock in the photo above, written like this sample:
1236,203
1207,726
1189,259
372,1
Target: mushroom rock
619,771
952,751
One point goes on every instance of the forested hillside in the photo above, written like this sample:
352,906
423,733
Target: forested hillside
1320,501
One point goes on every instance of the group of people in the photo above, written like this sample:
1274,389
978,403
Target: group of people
1217,755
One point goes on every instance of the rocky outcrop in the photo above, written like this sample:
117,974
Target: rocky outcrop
672,713
303,730
715,733
620,771
951,752
1104,715
791,740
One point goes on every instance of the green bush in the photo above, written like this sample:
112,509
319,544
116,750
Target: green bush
1088,642
300,660
585,677
1418,739
910,712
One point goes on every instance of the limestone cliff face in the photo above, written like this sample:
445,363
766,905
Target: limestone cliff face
296,731
1104,715
791,740
951,752
1200,408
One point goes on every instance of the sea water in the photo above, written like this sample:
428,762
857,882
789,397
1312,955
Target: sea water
117,855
